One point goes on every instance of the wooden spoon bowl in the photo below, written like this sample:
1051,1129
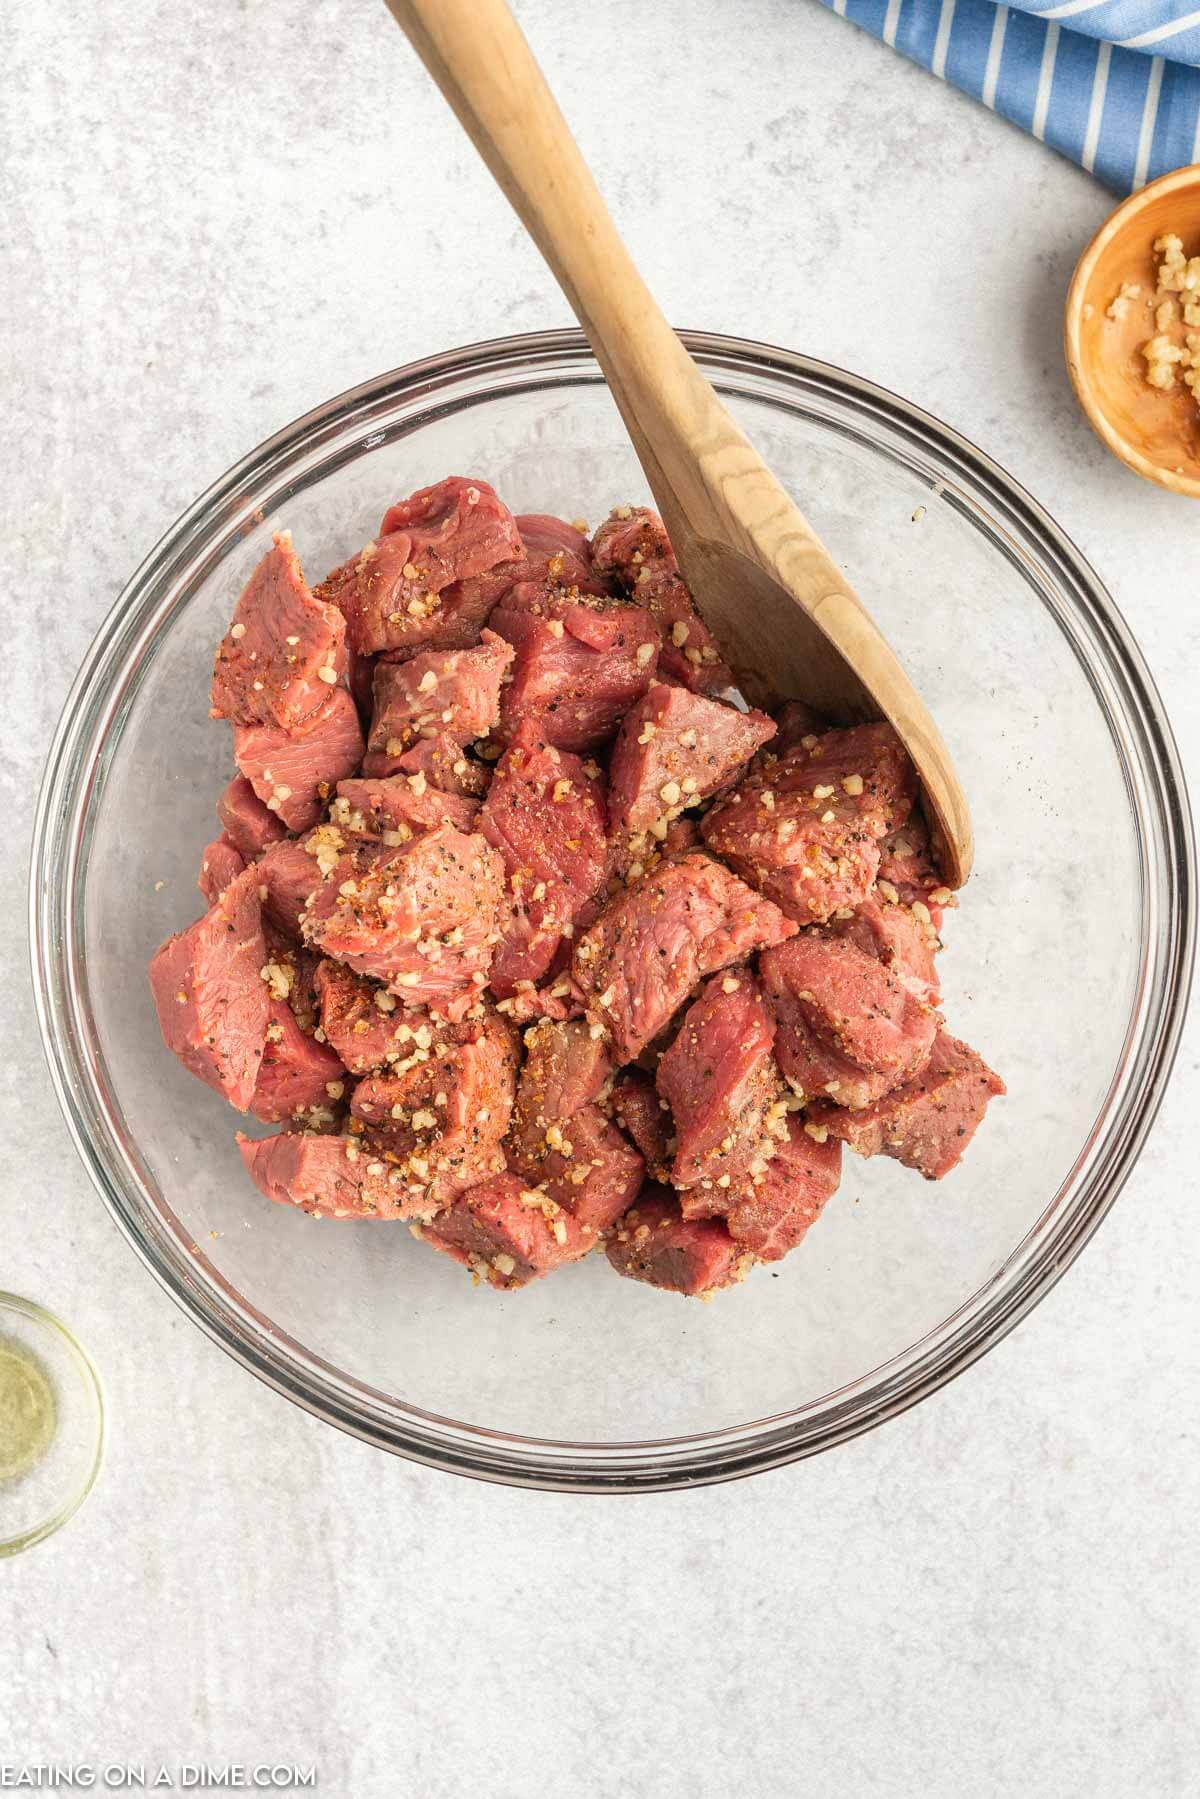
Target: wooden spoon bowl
1153,431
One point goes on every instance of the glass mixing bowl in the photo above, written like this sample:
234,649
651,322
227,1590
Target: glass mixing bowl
1067,965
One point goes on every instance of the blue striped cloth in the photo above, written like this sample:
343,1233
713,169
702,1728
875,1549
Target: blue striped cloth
1113,84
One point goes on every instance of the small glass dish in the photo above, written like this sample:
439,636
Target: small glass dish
1068,965
51,1424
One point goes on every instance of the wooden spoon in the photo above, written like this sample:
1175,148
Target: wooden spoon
784,614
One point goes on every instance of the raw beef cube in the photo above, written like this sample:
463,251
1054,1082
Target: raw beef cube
928,1122
847,1026
440,693
508,1234
794,721
586,1166
397,808
895,936
565,1069
908,875
294,772
581,662
397,593
632,545
336,1177
209,993
557,1000
655,1243
673,750
770,1216
443,1117
553,549
297,1073
647,1119
805,828
246,821
219,865
446,766
545,814
289,875
364,1023
422,918
654,943
283,652
720,1080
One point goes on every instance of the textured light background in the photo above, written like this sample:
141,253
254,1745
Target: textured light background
212,219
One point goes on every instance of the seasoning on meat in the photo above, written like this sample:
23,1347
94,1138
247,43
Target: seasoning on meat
632,545
725,1092
655,1243
294,772
284,650
220,864
508,1233
247,823
440,693
581,661
675,749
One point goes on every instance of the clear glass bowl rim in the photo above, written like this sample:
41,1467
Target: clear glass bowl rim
1123,687
89,1378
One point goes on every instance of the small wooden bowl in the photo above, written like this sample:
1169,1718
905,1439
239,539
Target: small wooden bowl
1155,433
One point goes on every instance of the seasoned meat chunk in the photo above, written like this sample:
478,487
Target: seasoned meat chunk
720,1080
770,1216
288,875
655,1243
443,1117
219,865
581,661
805,827
283,652
294,772
405,590
895,936
545,814
673,750
908,874
655,942
507,1233
396,808
366,1024
847,1026
586,1166
246,822
928,1122
337,1177
298,1073
422,918
647,1119
446,766
565,1069
209,993
632,545
440,693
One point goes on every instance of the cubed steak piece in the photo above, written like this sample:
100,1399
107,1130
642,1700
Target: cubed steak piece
209,993
565,1068
443,1112
654,943
655,1243
283,652
545,814
405,589
793,722
848,1027
220,864
554,550
647,1119
247,823
366,1024
805,827
440,693
336,1177
446,766
587,1166
294,772
632,545
908,875
897,937
769,1217
298,1073
581,661
394,809
288,875
928,1122
507,1233
422,918
720,1080
673,750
